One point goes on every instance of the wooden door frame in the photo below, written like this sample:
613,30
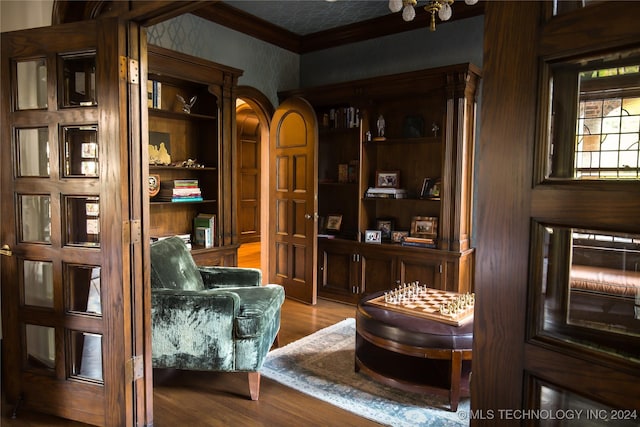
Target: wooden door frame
263,108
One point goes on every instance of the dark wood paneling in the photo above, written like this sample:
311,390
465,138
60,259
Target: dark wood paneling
503,185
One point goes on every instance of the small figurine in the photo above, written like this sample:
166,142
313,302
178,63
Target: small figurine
186,106
381,125
435,128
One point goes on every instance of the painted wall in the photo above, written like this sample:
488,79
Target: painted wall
271,69
20,14
266,67
452,43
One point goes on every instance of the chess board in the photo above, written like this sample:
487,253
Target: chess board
427,305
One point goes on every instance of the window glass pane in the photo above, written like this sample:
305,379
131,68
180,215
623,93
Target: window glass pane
35,218
596,119
82,220
79,80
561,408
593,300
86,355
33,152
37,280
84,289
41,347
80,151
32,84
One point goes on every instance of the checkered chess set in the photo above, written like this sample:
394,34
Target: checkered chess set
414,299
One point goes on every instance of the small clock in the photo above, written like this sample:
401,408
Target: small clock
154,185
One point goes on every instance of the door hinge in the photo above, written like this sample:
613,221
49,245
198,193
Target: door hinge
135,368
129,70
132,232
440,268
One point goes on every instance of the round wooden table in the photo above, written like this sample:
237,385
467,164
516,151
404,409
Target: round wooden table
413,353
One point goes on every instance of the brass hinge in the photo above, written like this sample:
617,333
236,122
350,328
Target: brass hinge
134,368
136,231
134,71
129,70
132,232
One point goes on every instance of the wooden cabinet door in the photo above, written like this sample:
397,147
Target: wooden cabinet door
70,229
377,269
292,199
337,270
427,270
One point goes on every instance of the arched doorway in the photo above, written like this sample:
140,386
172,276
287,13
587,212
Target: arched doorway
253,119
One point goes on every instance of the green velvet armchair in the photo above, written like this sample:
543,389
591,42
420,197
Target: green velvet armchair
210,318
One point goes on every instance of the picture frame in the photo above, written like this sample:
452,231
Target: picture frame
398,235
424,226
413,127
387,179
373,236
333,223
431,188
385,225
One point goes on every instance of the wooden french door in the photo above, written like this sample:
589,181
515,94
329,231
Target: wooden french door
293,203
70,223
558,194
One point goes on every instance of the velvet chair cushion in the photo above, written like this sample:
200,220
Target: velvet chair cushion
172,266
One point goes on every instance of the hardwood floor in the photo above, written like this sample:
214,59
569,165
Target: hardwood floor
222,399
249,255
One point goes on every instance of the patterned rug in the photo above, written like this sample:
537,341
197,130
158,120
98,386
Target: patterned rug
322,365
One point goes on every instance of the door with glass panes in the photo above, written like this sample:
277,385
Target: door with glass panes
68,227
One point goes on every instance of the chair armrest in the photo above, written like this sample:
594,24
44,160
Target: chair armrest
193,329
230,277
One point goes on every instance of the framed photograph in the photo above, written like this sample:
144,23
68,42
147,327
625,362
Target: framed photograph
334,221
424,226
373,236
397,236
385,225
430,189
388,179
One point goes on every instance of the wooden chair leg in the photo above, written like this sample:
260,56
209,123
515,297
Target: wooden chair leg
254,385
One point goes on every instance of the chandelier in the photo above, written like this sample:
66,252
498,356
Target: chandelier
441,7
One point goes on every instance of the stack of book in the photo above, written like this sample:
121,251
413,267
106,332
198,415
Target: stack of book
204,230
421,242
179,190
386,193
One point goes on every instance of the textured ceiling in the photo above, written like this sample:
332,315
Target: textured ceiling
310,16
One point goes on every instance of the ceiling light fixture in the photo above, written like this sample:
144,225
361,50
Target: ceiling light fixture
441,7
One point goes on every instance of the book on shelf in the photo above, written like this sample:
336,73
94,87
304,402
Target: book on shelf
204,230
386,193
154,94
422,242
179,190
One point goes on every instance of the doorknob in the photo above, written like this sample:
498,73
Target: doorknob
6,250
308,216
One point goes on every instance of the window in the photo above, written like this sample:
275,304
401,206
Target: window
608,128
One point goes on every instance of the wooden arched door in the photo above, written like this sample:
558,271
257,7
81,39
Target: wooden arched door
292,199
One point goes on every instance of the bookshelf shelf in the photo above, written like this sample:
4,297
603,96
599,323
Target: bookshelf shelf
201,136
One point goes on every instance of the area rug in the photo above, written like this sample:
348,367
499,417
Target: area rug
322,365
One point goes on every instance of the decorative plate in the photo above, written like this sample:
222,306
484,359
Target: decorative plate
154,184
